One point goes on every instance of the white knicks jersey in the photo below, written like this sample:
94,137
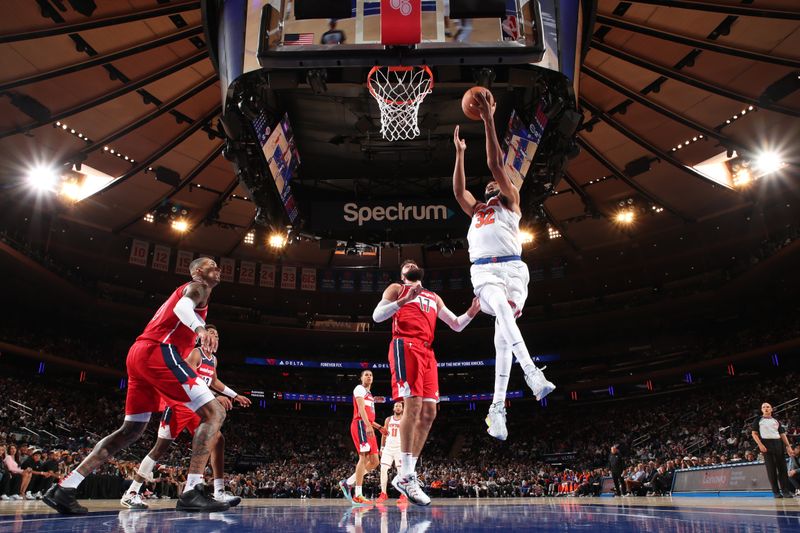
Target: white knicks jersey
493,231
393,434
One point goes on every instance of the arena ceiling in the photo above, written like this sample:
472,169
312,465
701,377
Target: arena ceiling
134,78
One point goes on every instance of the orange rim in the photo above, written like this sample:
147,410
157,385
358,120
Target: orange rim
398,68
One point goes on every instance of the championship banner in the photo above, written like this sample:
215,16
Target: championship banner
247,273
308,279
433,280
288,277
226,266
457,280
401,22
347,281
267,276
366,281
161,258
184,260
139,251
328,281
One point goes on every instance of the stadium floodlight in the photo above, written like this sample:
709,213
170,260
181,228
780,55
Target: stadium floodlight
42,178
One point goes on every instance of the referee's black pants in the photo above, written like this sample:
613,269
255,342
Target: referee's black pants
775,461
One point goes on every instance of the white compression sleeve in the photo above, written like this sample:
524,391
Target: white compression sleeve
184,310
455,323
384,310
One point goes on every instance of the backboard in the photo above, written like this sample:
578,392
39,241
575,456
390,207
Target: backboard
277,39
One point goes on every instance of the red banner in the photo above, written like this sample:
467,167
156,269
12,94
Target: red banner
184,260
139,251
401,22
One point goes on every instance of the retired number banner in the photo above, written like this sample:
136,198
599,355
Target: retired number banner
288,277
184,260
226,266
267,276
161,258
139,251
247,272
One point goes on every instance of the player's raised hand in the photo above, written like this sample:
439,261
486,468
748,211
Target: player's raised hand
225,402
485,104
208,341
475,308
460,143
243,401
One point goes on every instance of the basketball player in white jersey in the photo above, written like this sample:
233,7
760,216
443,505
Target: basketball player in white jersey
499,276
391,454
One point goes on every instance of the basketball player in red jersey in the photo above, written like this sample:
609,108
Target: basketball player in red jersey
362,429
177,417
156,369
415,378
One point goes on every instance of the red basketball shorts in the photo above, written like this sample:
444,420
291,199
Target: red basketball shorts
414,371
363,442
157,370
175,419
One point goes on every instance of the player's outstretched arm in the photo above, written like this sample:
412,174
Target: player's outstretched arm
463,196
494,155
195,294
457,323
391,302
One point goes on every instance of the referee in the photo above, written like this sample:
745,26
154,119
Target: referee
770,435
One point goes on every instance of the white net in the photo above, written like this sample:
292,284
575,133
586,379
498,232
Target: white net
399,92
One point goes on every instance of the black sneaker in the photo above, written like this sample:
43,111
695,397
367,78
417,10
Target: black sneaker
788,495
197,500
778,495
63,500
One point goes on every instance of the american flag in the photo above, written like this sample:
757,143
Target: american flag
296,39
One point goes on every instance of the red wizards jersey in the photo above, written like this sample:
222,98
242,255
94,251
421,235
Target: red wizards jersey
166,328
417,319
369,403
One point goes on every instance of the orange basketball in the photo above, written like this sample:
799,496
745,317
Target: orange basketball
468,102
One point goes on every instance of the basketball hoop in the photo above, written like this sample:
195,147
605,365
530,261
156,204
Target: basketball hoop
399,92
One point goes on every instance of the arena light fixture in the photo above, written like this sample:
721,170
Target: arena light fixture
553,233
180,225
625,217
250,237
769,162
526,237
277,240
42,178
149,218
71,190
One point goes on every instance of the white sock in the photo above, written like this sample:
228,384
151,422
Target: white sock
414,464
135,487
219,485
502,370
351,480
146,466
73,480
358,490
191,481
507,324
406,467
384,478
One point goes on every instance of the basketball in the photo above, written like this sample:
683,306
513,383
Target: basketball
468,102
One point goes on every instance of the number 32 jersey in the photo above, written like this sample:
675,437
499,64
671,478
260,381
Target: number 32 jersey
493,231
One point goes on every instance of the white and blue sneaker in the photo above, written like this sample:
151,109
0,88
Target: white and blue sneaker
409,486
346,490
496,420
538,383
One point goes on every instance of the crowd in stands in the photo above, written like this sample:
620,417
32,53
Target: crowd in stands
554,451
